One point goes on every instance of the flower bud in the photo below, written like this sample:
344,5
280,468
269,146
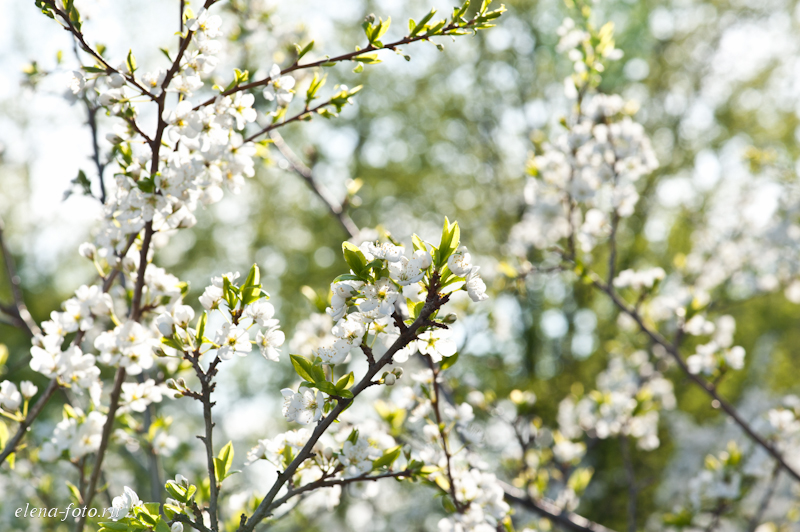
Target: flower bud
398,372
176,527
389,379
450,319
88,250
172,385
28,389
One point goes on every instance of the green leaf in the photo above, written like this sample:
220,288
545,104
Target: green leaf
434,30
358,69
303,367
166,53
3,434
303,51
382,28
421,25
347,277
449,362
345,381
355,259
353,437
173,342
74,492
418,243
146,185
414,308
131,62
82,181
223,461
368,59
201,326
316,85
113,526
162,526
388,458
326,387
230,294
451,236
251,290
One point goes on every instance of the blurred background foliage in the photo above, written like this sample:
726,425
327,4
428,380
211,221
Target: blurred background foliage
449,133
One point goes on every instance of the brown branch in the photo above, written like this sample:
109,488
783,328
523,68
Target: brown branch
631,480
299,116
32,414
91,489
432,303
435,403
709,388
335,207
18,312
766,499
549,510
446,30
91,51
326,482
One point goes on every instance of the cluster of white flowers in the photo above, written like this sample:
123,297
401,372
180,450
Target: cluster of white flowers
11,397
137,396
130,345
785,422
639,280
585,178
203,148
627,400
233,337
124,504
302,407
482,496
78,434
478,494
720,351
587,52
281,449
71,365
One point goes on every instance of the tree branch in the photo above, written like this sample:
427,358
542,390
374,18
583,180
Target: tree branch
549,510
91,489
432,303
442,435
709,388
32,414
18,312
631,480
446,30
334,206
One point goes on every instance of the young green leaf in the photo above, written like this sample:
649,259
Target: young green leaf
388,458
223,461
303,367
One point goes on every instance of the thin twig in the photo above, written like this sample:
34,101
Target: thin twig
18,312
91,489
766,499
432,303
550,510
32,414
453,26
448,459
631,480
708,387
334,206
